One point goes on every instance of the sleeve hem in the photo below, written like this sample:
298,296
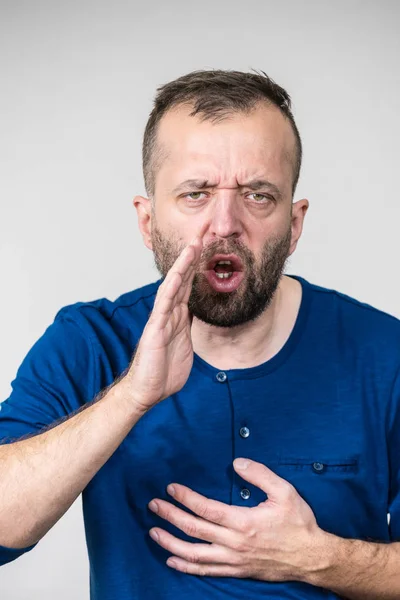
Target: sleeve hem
7,554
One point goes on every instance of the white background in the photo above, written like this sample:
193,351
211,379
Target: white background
77,82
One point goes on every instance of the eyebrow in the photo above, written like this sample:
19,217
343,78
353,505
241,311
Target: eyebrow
201,184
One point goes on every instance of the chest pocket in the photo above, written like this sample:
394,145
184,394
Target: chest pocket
333,487
320,465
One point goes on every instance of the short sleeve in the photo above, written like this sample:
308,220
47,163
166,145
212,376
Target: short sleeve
394,461
9,554
54,380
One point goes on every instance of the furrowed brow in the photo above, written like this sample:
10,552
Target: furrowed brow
190,184
258,184
201,184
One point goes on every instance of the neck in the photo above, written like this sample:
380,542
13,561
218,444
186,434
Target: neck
255,342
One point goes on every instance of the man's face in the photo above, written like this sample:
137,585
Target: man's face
247,224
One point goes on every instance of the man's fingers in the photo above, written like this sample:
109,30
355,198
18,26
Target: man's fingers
177,284
178,280
180,267
211,510
165,302
185,265
188,288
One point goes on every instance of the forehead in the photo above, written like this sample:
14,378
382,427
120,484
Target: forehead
242,145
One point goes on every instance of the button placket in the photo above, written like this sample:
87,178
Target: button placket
244,432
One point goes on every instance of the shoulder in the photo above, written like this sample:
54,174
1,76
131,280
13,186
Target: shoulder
354,319
128,311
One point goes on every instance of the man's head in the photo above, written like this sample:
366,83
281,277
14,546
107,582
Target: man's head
221,150
214,95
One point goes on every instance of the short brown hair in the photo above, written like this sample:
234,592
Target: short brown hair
214,95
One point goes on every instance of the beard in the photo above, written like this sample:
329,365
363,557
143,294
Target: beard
255,292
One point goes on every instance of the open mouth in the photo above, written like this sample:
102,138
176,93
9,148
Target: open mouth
225,266
225,272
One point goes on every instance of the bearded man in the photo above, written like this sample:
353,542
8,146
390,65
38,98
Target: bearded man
233,430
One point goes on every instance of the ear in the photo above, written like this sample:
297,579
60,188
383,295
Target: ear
143,209
299,210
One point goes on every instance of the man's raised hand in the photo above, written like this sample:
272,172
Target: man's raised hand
164,356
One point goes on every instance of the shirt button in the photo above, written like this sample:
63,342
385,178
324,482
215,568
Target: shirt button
318,467
245,493
221,376
244,432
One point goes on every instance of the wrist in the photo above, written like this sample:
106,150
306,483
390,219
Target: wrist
125,392
323,557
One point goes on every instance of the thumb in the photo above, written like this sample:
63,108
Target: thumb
260,476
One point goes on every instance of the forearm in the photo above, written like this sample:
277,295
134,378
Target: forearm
357,570
40,477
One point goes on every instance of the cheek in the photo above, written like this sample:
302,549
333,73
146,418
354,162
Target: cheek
267,232
278,223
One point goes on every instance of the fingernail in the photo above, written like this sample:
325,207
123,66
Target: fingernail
171,490
153,506
241,464
154,535
171,563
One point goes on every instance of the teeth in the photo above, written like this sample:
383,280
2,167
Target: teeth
224,262
224,275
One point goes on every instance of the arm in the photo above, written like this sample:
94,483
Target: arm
357,570
368,570
42,476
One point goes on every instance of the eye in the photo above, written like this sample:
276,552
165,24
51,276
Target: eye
259,198
194,195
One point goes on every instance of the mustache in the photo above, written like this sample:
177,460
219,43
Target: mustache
232,248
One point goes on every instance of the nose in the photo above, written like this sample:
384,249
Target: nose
226,216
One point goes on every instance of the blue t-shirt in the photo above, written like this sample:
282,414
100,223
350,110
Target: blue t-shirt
323,413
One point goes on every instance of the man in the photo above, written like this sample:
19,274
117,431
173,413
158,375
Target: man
223,359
